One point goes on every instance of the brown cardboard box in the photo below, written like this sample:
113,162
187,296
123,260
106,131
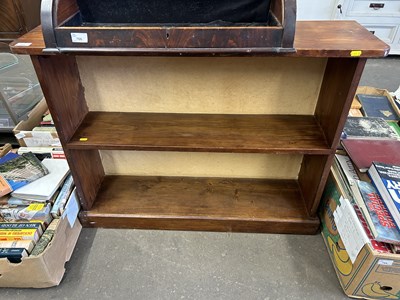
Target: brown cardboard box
373,275
46,269
28,138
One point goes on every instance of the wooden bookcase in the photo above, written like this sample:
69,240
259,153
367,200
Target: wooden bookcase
202,139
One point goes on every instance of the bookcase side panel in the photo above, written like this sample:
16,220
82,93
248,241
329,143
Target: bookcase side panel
64,93
339,85
61,84
312,177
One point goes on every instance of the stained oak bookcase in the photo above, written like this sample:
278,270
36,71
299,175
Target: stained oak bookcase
178,109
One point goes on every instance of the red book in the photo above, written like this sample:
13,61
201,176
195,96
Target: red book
364,152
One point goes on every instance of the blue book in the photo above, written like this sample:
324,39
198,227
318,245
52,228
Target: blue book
377,106
386,179
14,255
7,157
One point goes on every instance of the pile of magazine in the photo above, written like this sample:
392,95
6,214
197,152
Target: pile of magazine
33,195
367,170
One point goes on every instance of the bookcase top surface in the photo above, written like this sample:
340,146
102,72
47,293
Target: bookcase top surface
312,39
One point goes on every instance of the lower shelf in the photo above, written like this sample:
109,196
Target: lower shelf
209,204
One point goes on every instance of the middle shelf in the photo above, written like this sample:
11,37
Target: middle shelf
200,133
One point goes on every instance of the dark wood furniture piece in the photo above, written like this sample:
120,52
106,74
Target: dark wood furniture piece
17,17
103,25
159,139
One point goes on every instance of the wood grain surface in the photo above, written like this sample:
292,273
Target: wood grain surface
312,39
200,132
212,204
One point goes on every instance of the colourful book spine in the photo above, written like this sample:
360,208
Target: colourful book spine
20,231
385,227
26,244
14,255
62,197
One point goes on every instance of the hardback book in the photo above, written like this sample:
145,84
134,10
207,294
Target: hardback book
14,255
386,179
63,196
44,188
46,238
20,171
377,106
27,244
364,152
382,226
368,128
20,231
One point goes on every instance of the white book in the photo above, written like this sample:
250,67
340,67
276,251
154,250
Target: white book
44,188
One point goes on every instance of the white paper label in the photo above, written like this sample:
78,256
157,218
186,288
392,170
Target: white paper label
79,37
385,262
350,229
71,209
35,142
20,135
23,44
41,135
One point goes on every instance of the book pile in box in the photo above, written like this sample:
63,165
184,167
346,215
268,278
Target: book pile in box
34,195
38,135
360,207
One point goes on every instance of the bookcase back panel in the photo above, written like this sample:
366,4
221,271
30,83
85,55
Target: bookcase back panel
236,165
240,85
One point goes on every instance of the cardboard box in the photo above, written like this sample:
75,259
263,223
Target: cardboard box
28,138
373,275
377,92
46,269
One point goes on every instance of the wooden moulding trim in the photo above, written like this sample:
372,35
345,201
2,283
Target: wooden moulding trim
289,23
83,28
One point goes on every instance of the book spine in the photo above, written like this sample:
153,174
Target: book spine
45,238
26,244
14,255
19,234
62,197
34,226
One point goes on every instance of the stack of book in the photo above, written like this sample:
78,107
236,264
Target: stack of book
43,139
33,194
368,171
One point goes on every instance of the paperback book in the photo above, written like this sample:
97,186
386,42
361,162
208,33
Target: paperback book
20,231
20,171
14,255
386,179
44,188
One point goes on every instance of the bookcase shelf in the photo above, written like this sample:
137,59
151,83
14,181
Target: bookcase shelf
200,132
78,89
212,204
